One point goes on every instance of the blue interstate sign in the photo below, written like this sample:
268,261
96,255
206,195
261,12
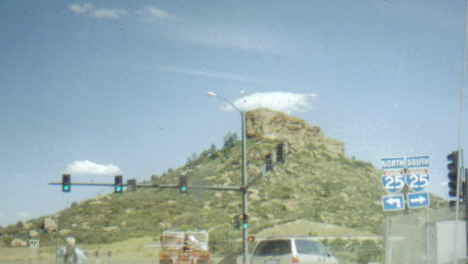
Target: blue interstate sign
418,200
417,180
393,181
393,202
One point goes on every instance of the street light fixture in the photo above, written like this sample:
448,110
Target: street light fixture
244,174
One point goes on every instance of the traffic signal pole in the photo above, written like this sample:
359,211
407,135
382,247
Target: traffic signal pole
244,192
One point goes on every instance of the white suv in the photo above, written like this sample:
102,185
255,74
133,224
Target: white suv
291,250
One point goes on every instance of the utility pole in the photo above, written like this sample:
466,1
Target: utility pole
244,186
244,193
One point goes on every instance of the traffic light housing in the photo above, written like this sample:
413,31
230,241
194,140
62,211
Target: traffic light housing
66,183
452,167
268,163
245,223
131,185
236,222
183,184
280,153
118,187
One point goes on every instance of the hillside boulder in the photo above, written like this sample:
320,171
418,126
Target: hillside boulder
18,243
110,229
50,225
65,233
33,234
27,226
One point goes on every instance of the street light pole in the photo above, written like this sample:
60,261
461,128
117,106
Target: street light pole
244,191
245,233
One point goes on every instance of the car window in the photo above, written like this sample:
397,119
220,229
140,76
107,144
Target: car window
323,250
308,247
273,248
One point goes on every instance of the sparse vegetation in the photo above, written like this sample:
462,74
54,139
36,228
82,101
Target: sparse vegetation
312,184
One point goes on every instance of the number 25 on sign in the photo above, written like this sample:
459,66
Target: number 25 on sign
393,181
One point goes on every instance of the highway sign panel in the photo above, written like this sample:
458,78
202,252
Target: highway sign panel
393,163
393,181
33,243
418,200
417,179
393,202
417,162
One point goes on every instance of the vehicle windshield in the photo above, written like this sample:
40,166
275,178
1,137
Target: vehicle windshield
308,247
273,248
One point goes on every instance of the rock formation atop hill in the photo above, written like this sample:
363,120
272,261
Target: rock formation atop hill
266,123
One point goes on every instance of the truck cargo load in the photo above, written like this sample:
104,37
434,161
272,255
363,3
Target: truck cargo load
179,247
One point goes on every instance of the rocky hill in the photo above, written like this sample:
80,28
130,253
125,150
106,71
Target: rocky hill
315,182
265,123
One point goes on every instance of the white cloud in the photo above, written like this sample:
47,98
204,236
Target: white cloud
24,215
154,14
249,39
101,13
108,13
88,167
279,101
21,176
216,75
81,9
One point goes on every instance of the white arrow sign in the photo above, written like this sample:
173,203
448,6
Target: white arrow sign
393,202
417,200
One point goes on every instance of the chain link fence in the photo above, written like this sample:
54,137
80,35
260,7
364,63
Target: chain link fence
424,236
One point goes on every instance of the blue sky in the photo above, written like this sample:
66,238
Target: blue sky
122,84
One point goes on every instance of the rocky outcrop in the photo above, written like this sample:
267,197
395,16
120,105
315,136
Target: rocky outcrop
16,242
33,234
50,225
266,123
65,233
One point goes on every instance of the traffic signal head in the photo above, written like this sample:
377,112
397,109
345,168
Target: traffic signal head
118,188
131,185
245,223
280,153
66,183
268,163
452,167
183,184
236,222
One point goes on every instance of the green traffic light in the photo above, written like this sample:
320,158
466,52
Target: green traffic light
66,183
183,189
118,184
245,225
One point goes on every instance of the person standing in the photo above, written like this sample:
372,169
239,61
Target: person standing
70,256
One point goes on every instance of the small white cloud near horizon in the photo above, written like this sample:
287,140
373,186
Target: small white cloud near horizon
153,14
24,215
104,13
279,101
87,167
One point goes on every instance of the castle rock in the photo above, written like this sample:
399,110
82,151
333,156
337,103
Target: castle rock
266,123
